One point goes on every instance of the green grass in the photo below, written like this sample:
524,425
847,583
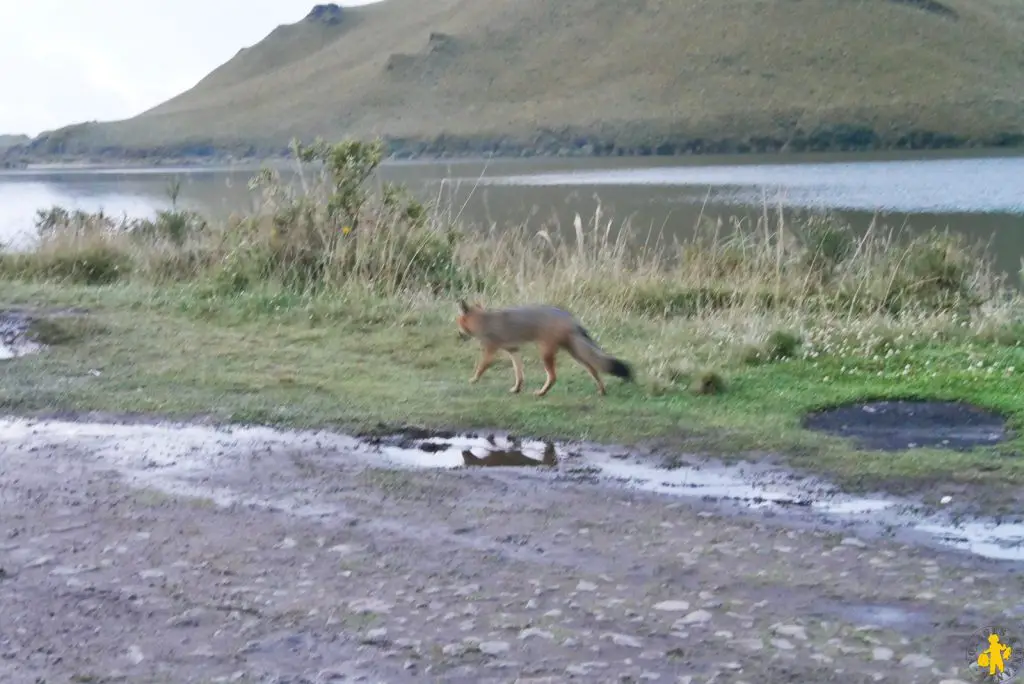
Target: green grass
336,308
354,368
598,75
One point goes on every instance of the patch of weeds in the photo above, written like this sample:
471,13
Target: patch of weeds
673,462
63,330
782,344
778,346
707,382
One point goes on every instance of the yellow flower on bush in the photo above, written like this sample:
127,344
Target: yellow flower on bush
346,230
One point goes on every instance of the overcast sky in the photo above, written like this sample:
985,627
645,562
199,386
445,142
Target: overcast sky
66,61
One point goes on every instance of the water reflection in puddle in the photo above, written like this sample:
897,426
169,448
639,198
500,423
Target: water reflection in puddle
13,339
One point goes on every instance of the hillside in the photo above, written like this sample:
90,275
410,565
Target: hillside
590,76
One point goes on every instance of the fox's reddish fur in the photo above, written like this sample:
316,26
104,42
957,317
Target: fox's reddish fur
551,328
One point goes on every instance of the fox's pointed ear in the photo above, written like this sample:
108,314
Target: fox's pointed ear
463,307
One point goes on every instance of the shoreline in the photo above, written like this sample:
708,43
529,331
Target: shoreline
92,164
546,145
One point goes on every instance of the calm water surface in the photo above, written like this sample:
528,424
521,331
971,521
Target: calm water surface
978,194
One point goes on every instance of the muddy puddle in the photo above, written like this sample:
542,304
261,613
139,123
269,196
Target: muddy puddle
746,486
14,340
902,424
173,456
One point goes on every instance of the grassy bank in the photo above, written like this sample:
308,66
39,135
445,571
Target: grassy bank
335,306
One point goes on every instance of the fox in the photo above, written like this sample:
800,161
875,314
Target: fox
550,327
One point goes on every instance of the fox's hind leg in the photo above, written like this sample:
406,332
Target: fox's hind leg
517,368
548,356
486,359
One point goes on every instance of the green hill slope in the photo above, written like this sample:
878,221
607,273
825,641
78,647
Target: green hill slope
593,75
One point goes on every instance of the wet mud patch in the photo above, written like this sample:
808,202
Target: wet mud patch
211,462
29,331
907,424
14,338
748,488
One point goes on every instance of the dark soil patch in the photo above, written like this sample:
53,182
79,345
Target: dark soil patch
906,424
21,328
930,6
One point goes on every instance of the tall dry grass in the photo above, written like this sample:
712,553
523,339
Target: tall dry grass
332,234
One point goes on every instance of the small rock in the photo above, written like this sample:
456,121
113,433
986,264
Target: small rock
151,574
286,543
793,631
454,650
672,606
750,644
916,660
854,542
783,644
503,665
369,605
697,617
584,669
623,640
494,648
882,653
190,618
67,571
952,681
586,586
39,562
408,644
135,655
531,632
376,637
342,549
335,674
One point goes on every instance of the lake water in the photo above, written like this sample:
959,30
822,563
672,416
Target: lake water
980,194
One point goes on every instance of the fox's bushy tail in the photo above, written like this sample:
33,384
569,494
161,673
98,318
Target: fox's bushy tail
584,347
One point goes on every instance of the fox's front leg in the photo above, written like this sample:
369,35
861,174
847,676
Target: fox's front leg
486,359
517,369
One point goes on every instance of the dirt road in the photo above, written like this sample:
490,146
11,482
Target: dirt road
150,554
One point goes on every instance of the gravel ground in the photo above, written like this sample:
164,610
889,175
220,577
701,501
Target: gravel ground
187,554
